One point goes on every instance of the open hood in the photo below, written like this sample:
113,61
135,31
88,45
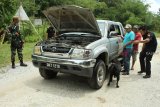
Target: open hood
72,19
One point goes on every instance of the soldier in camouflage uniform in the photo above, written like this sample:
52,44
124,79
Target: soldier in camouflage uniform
16,42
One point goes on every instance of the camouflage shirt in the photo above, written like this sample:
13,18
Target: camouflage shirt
16,40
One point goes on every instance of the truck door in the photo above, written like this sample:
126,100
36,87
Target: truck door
120,35
114,43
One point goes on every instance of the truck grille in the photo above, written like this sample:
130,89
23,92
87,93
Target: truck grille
55,49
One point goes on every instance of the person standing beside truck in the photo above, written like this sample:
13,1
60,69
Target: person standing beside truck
138,37
50,32
149,48
128,46
16,42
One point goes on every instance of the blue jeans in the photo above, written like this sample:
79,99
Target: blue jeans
127,56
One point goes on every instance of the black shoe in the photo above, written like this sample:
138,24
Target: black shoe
13,65
125,73
140,72
146,76
22,64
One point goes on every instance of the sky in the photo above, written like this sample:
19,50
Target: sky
155,5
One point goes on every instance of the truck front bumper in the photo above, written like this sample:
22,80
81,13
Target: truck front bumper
73,66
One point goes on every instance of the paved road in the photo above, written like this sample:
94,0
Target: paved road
23,87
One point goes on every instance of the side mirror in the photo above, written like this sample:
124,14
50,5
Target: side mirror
113,33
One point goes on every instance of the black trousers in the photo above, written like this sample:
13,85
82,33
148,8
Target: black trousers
145,61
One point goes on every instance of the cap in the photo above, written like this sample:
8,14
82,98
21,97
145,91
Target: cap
136,26
128,26
15,18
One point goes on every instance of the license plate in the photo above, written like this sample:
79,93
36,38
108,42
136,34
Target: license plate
52,65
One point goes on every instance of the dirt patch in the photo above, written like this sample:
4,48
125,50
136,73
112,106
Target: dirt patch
102,100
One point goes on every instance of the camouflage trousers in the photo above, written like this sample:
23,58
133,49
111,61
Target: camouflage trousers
13,53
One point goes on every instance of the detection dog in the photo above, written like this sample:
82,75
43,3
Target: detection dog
114,70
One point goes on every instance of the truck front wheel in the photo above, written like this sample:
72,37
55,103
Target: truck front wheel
47,74
98,77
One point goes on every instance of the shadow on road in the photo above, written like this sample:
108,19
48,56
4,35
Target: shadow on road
64,85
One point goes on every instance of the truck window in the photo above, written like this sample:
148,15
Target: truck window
111,28
117,29
102,27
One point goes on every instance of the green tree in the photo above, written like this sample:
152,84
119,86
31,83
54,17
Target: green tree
130,9
156,23
124,11
100,10
148,19
133,20
30,7
7,9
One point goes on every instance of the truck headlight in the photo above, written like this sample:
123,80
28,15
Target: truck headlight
37,50
81,53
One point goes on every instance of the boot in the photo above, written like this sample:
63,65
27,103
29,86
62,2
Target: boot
22,64
146,76
13,64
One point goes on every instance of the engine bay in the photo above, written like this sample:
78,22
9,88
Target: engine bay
64,42
73,39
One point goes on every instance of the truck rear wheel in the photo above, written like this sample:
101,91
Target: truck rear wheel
98,77
47,74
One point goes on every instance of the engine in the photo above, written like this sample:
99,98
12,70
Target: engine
64,42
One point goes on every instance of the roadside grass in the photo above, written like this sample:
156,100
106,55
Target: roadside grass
157,34
5,54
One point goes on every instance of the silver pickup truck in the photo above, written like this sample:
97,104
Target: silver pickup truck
82,45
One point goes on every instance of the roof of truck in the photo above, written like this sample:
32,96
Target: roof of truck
108,21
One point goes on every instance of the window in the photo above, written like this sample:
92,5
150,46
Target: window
102,27
112,28
117,29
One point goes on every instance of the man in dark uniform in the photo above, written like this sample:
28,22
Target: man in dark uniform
50,32
149,47
16,42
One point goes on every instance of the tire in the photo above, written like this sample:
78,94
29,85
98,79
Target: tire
99,75
47,74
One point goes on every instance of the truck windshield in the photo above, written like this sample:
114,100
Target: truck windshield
101,27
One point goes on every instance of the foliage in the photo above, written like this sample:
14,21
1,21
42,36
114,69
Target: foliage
124,11
101,10
156,23
148,19
7,8
133,20
30,7
30,35
157,34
